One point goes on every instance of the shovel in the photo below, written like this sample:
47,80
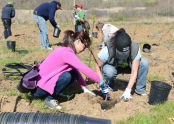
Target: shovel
108,103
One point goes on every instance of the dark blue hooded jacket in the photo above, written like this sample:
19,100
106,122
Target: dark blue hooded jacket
8,12
47,11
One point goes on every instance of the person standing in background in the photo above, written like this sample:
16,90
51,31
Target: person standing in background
46,11
79,15
8,12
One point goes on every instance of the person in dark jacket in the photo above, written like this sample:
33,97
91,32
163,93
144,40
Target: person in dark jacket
8,12
79,15
46,11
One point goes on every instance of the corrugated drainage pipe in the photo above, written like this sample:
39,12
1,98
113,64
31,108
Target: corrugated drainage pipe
48,118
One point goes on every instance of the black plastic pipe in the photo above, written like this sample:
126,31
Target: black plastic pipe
48,118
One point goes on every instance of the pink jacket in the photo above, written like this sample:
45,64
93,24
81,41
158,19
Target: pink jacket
61,60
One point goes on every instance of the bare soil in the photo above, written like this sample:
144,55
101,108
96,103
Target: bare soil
161,64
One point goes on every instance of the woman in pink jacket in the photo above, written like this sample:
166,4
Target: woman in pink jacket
62,67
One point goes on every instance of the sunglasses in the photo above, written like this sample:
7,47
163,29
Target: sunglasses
85,46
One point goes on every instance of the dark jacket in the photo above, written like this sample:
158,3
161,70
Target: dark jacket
113,57
8,12
47,11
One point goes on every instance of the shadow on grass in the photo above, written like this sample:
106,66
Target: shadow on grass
22,51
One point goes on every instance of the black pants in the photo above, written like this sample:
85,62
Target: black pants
64,80
7,27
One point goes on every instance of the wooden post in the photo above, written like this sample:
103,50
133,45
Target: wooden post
74,2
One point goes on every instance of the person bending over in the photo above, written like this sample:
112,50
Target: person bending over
121,55
46,11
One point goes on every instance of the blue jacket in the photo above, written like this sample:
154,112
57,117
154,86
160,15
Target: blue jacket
8,12
47,11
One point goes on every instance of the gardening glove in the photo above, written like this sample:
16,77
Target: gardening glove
87,90
126,95
75,15
57,26
104,88
102,82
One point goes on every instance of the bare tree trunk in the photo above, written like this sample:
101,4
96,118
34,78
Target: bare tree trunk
74,2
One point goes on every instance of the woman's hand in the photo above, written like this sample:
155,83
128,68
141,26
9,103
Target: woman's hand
126,95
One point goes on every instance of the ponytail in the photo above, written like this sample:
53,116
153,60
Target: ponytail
68,39
71,36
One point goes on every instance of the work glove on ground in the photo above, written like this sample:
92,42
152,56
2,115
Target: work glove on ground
126,95
87,90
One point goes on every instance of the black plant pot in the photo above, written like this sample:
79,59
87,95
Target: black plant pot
146,48
11,45
95,34
159,92
56,32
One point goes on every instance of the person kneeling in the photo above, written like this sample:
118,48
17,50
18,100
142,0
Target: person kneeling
62,67
119,53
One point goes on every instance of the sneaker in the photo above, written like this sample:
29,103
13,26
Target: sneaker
43,48
87,90
52,103
143,94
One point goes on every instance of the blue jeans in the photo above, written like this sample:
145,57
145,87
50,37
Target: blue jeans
78,28
41,23
110,72
64,80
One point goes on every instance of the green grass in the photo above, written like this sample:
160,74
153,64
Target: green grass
39,103
160,114
10,92
9,60
155,77
147,23
87,61
168,42
142,42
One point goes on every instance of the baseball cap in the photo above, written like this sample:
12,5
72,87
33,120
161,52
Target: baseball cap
59,4
122,40
79,5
